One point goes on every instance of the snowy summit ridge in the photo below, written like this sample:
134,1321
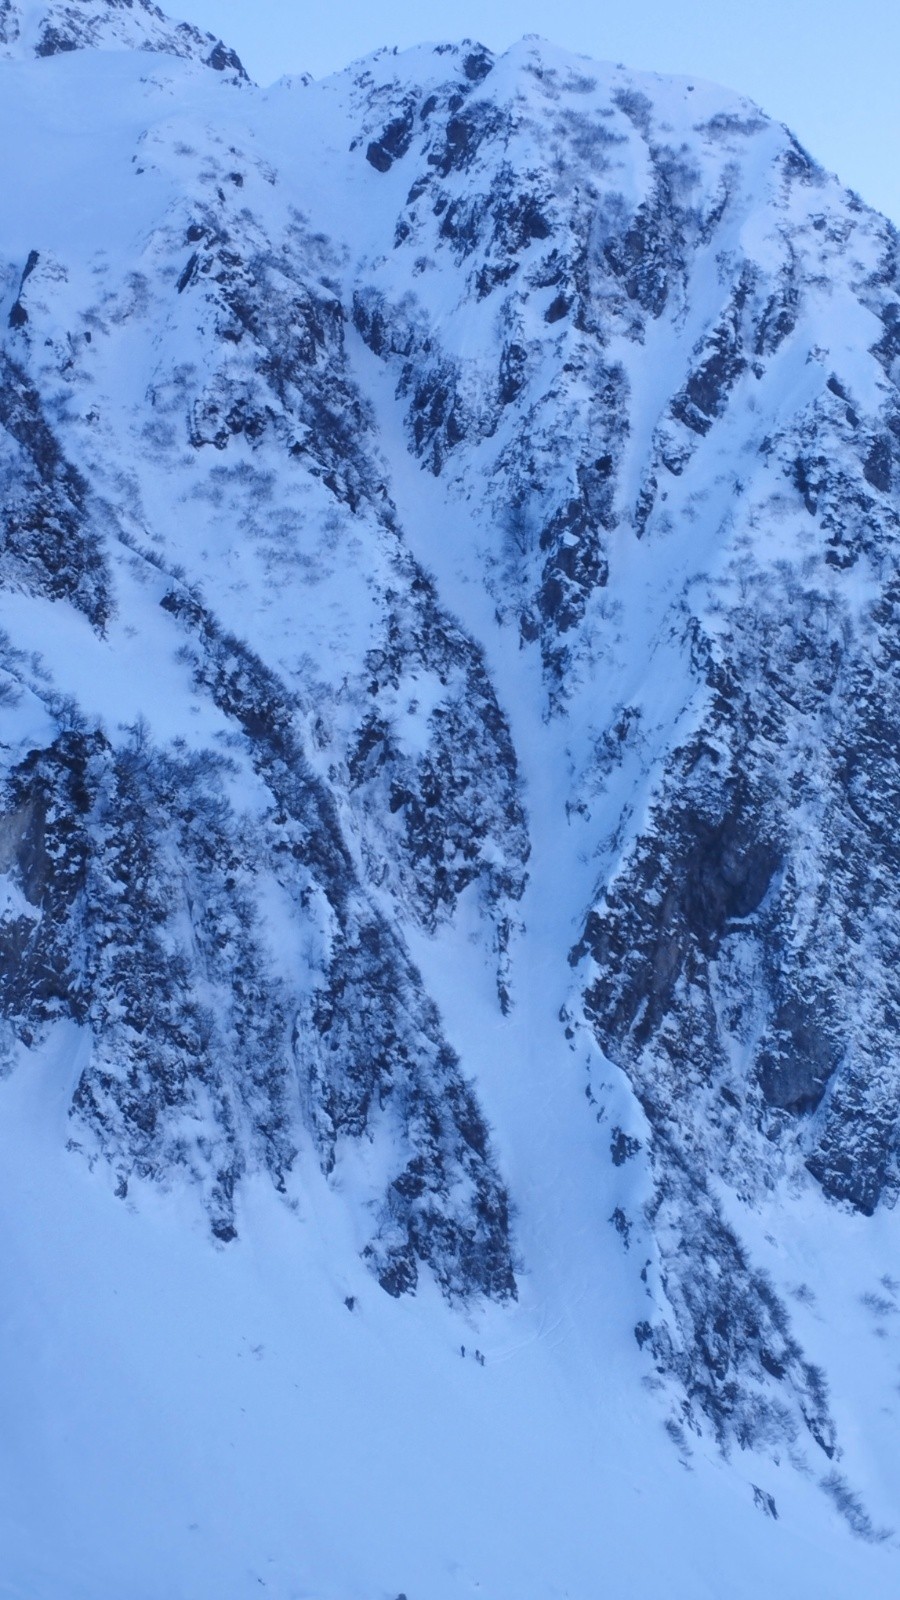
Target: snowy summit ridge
449,927
51,27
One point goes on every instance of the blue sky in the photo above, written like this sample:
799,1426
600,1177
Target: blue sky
828,68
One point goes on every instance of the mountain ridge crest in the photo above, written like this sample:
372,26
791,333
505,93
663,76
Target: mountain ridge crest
56,27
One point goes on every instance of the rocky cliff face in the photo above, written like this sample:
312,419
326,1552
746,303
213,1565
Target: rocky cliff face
376,450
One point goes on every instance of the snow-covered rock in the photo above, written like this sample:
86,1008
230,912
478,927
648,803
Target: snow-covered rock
449,729
52,27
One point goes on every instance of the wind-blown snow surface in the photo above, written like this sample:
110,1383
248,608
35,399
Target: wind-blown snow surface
448,917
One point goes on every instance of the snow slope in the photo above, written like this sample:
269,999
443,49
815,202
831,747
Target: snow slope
448,923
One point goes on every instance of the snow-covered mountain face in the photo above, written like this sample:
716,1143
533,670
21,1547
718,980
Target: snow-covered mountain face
450,724
53,27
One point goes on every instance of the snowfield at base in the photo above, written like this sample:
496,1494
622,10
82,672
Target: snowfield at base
179,1421
197,1415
